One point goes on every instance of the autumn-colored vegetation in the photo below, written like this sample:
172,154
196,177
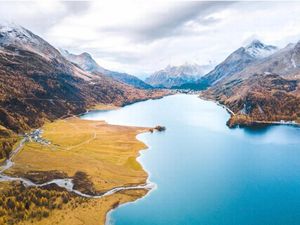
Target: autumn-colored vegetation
259,98
7,141
39,86
98,156
34,91
52,205
18,203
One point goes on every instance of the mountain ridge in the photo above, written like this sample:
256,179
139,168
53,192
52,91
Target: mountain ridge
36,88
237,61
173,76
264,91
87,63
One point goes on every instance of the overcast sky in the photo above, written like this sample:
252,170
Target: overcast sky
140,37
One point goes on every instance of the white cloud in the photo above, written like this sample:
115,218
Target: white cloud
140,37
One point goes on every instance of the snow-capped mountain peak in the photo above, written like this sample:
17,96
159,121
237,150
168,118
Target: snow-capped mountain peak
17,36
185,69
12,34
257,49
172,76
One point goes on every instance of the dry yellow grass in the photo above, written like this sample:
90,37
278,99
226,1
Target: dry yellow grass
106,153
104,107
4,185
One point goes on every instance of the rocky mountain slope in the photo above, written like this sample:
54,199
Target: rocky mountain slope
264,91
175,76
234,63
38,84
87,63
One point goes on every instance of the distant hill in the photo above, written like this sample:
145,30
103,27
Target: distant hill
174,76
87,63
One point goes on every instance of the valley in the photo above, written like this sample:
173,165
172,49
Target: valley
260,83
39,85
181,113
68,166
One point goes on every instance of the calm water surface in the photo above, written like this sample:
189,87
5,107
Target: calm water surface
206,173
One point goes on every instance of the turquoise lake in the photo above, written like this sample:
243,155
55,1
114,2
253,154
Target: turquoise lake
206,173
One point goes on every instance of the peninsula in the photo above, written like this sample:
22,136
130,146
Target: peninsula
99,159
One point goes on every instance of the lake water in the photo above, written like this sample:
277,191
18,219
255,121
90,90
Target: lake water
206,173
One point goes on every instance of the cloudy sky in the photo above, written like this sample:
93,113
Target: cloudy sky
140,37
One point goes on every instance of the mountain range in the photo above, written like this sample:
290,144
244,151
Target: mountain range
87,63
235,62
39,84
175,76
257,82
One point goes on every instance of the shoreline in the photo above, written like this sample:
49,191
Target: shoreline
142,151
147,186
282,122
109,107
67,183
254,122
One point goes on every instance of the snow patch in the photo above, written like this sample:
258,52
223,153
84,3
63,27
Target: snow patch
259,50
293,62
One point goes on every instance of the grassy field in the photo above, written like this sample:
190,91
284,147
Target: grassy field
97,155
105,153
104,107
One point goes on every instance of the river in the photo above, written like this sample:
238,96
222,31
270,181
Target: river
206,173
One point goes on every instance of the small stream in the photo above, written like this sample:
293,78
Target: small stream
66,183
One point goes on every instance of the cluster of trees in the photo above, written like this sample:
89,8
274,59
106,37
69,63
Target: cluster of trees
157,128
5,149
274,106
239,119
7,140
6,146
83,183
262,105
18,203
